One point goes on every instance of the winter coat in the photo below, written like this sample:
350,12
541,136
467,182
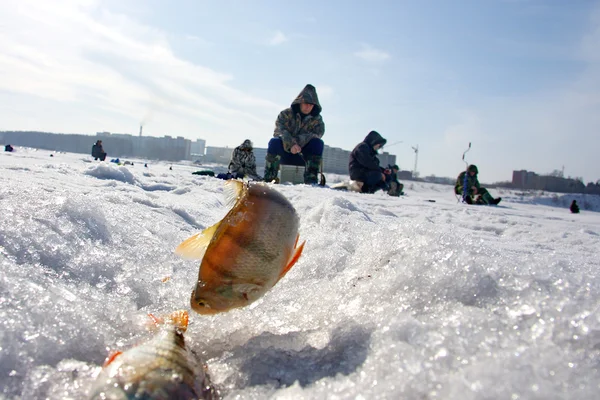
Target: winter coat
393,177
295,128
364,158
471,181
243,161
574,207
97,150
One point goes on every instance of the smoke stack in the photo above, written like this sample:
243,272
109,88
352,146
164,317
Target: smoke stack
141,130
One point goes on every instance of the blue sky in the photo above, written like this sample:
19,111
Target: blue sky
520,79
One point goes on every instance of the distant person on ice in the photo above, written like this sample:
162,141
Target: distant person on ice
9,148
392,179
243,162
98,152
574,207
364,165
473,188
297,137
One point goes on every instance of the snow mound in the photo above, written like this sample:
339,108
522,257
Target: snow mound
111,172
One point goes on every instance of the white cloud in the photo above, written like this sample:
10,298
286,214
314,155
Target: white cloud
278,39
590,44
324,92
467,128
76,52
371,54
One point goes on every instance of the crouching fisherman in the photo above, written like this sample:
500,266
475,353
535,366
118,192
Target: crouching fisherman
396,188
243,162
364,166
98,152
469,180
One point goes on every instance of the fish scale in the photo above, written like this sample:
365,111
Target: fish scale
161,368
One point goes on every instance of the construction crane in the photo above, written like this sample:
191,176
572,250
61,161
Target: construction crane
416,150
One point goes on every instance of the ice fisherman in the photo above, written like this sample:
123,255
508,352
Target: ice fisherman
574,207
98,152
297,137
243,161
364,166
473,188
396,188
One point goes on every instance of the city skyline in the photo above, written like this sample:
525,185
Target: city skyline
168,148
519,79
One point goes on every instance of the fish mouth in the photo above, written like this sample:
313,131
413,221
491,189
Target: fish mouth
201,306
205,311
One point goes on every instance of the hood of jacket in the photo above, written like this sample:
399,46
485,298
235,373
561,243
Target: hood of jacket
374,138
246,145
308,95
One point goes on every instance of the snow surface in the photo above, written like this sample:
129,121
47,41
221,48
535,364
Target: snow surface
393,298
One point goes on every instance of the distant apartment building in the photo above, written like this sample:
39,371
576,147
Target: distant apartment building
439,179
523,179
386,159
335,160
155,148
220,155
405,175
115,144
198,147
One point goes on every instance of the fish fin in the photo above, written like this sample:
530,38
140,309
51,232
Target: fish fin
194,247
154,319
250,291
293,260
111,357
179,319
233,191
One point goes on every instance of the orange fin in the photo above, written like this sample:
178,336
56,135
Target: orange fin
233,191
194,247
179,319
111,357
293,260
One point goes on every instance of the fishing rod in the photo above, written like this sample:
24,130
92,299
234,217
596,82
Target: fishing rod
465,181
387,146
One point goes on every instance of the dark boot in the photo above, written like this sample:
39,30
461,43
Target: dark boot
497,200
271,167
468,199
487,198
311,173
394,190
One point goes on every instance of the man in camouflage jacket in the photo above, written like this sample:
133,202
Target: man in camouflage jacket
473,188
243,162
297,137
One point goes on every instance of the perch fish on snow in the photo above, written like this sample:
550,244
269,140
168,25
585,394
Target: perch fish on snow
159,369
247,252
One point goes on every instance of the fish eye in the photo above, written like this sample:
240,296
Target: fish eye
202,303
